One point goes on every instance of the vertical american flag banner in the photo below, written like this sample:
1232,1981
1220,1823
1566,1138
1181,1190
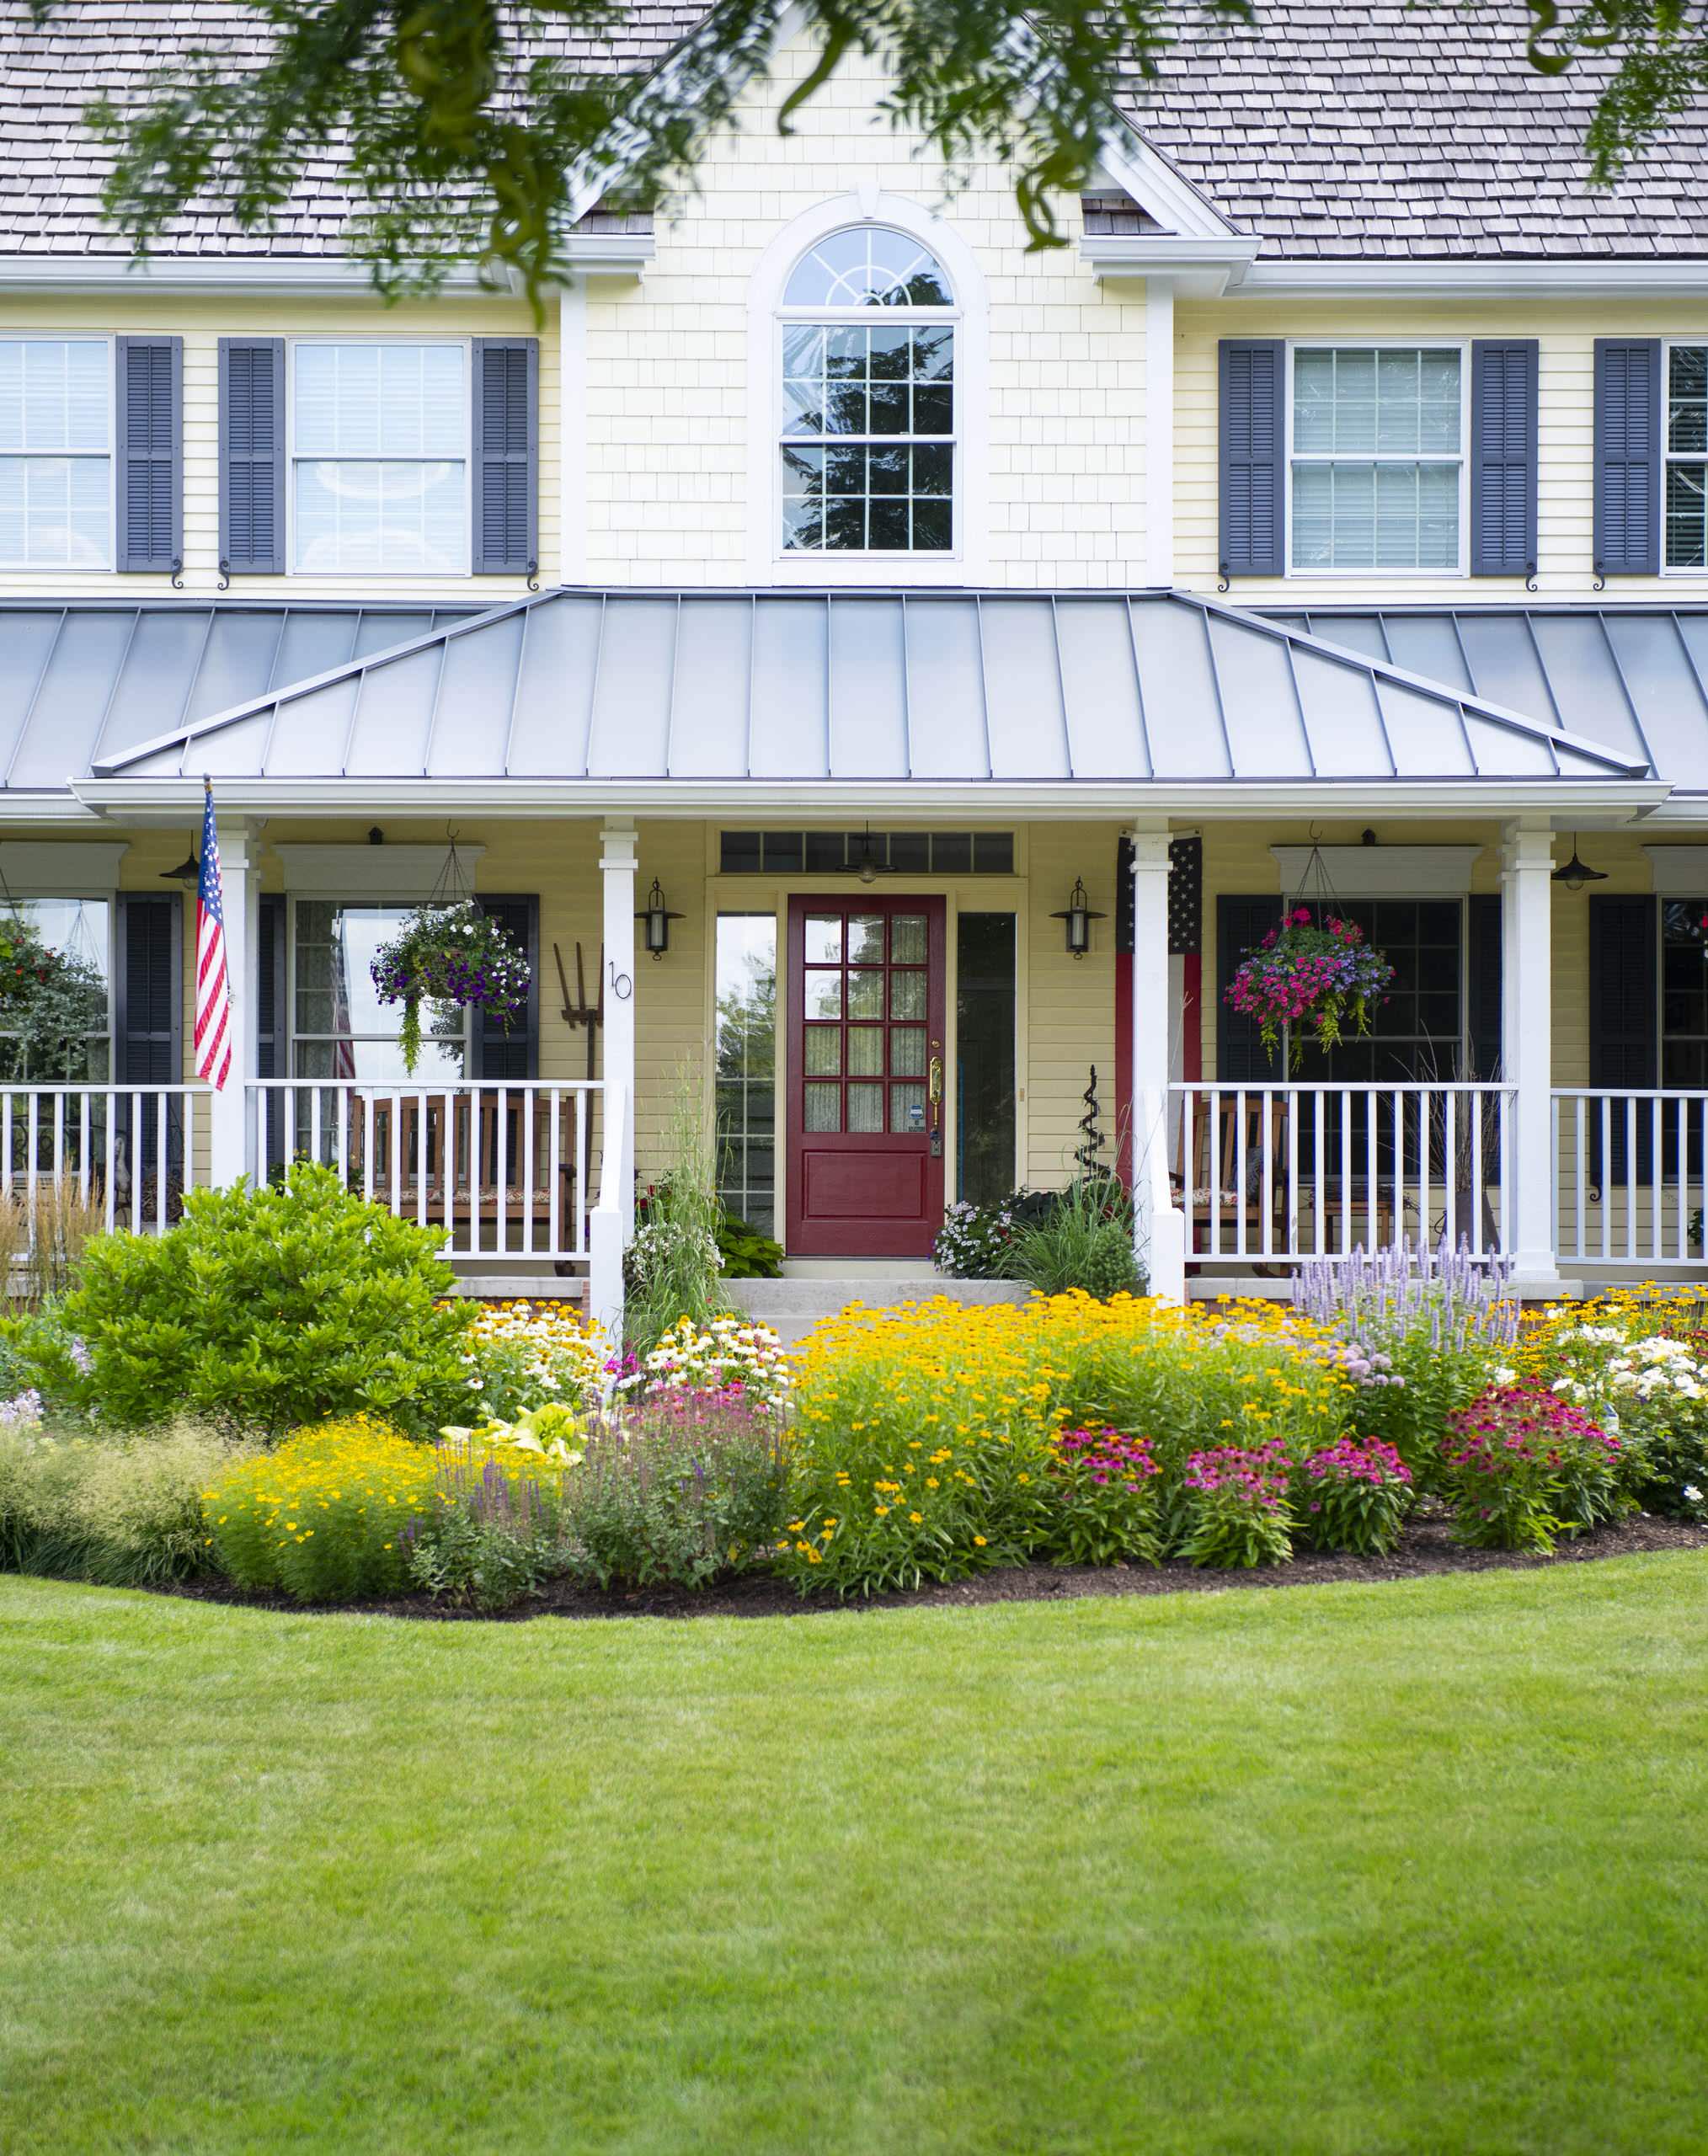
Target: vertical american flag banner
213,1000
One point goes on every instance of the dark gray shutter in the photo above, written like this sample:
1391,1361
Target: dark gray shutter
1627,456
1503,399
1483,979
1253,377
1624,1021
499,1055
506,490
1240,1055
272,1036
148,1029
150,417
252,455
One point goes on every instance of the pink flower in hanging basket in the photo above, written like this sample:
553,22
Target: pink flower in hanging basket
1303,974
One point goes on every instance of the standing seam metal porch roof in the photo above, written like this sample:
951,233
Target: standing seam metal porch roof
797,686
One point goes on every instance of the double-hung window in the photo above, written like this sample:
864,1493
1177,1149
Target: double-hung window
80,930
868,441
379,458
1377,457
1687,456
56,453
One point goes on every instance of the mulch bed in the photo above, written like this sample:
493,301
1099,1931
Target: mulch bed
1427,1549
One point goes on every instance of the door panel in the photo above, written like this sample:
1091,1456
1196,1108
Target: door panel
865,1078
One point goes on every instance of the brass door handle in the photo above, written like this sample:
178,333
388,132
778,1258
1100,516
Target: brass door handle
934,1087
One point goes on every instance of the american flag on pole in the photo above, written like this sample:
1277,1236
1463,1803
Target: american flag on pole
213,1002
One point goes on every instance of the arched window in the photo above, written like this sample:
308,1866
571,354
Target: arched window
867,424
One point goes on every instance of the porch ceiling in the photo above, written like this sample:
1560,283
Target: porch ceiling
852,688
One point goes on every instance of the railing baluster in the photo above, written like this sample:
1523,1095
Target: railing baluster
161,1155
1450,1164
422,1107
554,1176
529,1105
1267,1139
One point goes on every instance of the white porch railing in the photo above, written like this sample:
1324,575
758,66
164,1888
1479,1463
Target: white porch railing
505,1170
130,1151
1271,1174
1630,1174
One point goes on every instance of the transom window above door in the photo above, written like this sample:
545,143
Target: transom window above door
1377,455
868,426
379,458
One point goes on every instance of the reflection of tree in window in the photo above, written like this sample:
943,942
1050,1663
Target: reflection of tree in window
868,409
67,1040
339,1027
745,1045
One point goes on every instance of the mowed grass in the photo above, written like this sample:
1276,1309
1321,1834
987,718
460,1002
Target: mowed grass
1419,1867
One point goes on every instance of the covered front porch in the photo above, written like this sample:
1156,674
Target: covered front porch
912,899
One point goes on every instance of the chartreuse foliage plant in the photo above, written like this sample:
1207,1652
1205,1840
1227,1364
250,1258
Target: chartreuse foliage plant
331,1516
266,1310
926,1443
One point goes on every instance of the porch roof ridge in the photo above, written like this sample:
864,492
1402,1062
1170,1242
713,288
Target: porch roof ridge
982,662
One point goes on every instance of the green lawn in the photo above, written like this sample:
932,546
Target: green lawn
1361,1870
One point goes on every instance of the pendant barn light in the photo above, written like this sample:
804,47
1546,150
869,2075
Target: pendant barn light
1574,874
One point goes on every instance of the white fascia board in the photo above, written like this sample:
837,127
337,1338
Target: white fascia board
1201,269
330,275
1069,801
1399,279
608,255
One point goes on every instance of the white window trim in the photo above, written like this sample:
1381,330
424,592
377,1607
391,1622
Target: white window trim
62,569
1329,343
967,560
382,576
1668,343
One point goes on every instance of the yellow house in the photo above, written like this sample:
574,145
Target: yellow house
886,680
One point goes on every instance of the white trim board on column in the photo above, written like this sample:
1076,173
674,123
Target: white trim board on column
1383,872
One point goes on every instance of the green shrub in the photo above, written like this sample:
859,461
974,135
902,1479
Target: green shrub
266,1310
118,1511
331,1516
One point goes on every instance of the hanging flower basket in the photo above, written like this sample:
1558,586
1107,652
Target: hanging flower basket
51,1002
454,956
1326,978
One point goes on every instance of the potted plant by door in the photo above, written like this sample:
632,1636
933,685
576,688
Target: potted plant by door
1311,975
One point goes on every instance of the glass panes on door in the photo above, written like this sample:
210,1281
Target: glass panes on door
746,1039
865,1001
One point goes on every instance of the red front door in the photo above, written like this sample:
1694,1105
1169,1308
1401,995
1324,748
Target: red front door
865,1077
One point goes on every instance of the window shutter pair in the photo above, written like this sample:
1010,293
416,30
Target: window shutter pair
504,456
149,410
1252,375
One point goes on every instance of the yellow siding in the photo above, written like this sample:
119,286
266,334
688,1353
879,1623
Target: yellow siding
201,322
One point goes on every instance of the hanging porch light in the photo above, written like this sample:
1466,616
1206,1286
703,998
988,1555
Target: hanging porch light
1077,916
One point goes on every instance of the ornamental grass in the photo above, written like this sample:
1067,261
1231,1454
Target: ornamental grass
327,1518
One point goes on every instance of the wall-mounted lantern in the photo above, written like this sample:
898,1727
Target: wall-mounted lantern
658,918
1078,915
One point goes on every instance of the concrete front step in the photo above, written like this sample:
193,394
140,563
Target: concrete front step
794,1306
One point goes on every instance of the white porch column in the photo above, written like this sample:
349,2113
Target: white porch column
613,1215
1527,1051
1159,1224
240,890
